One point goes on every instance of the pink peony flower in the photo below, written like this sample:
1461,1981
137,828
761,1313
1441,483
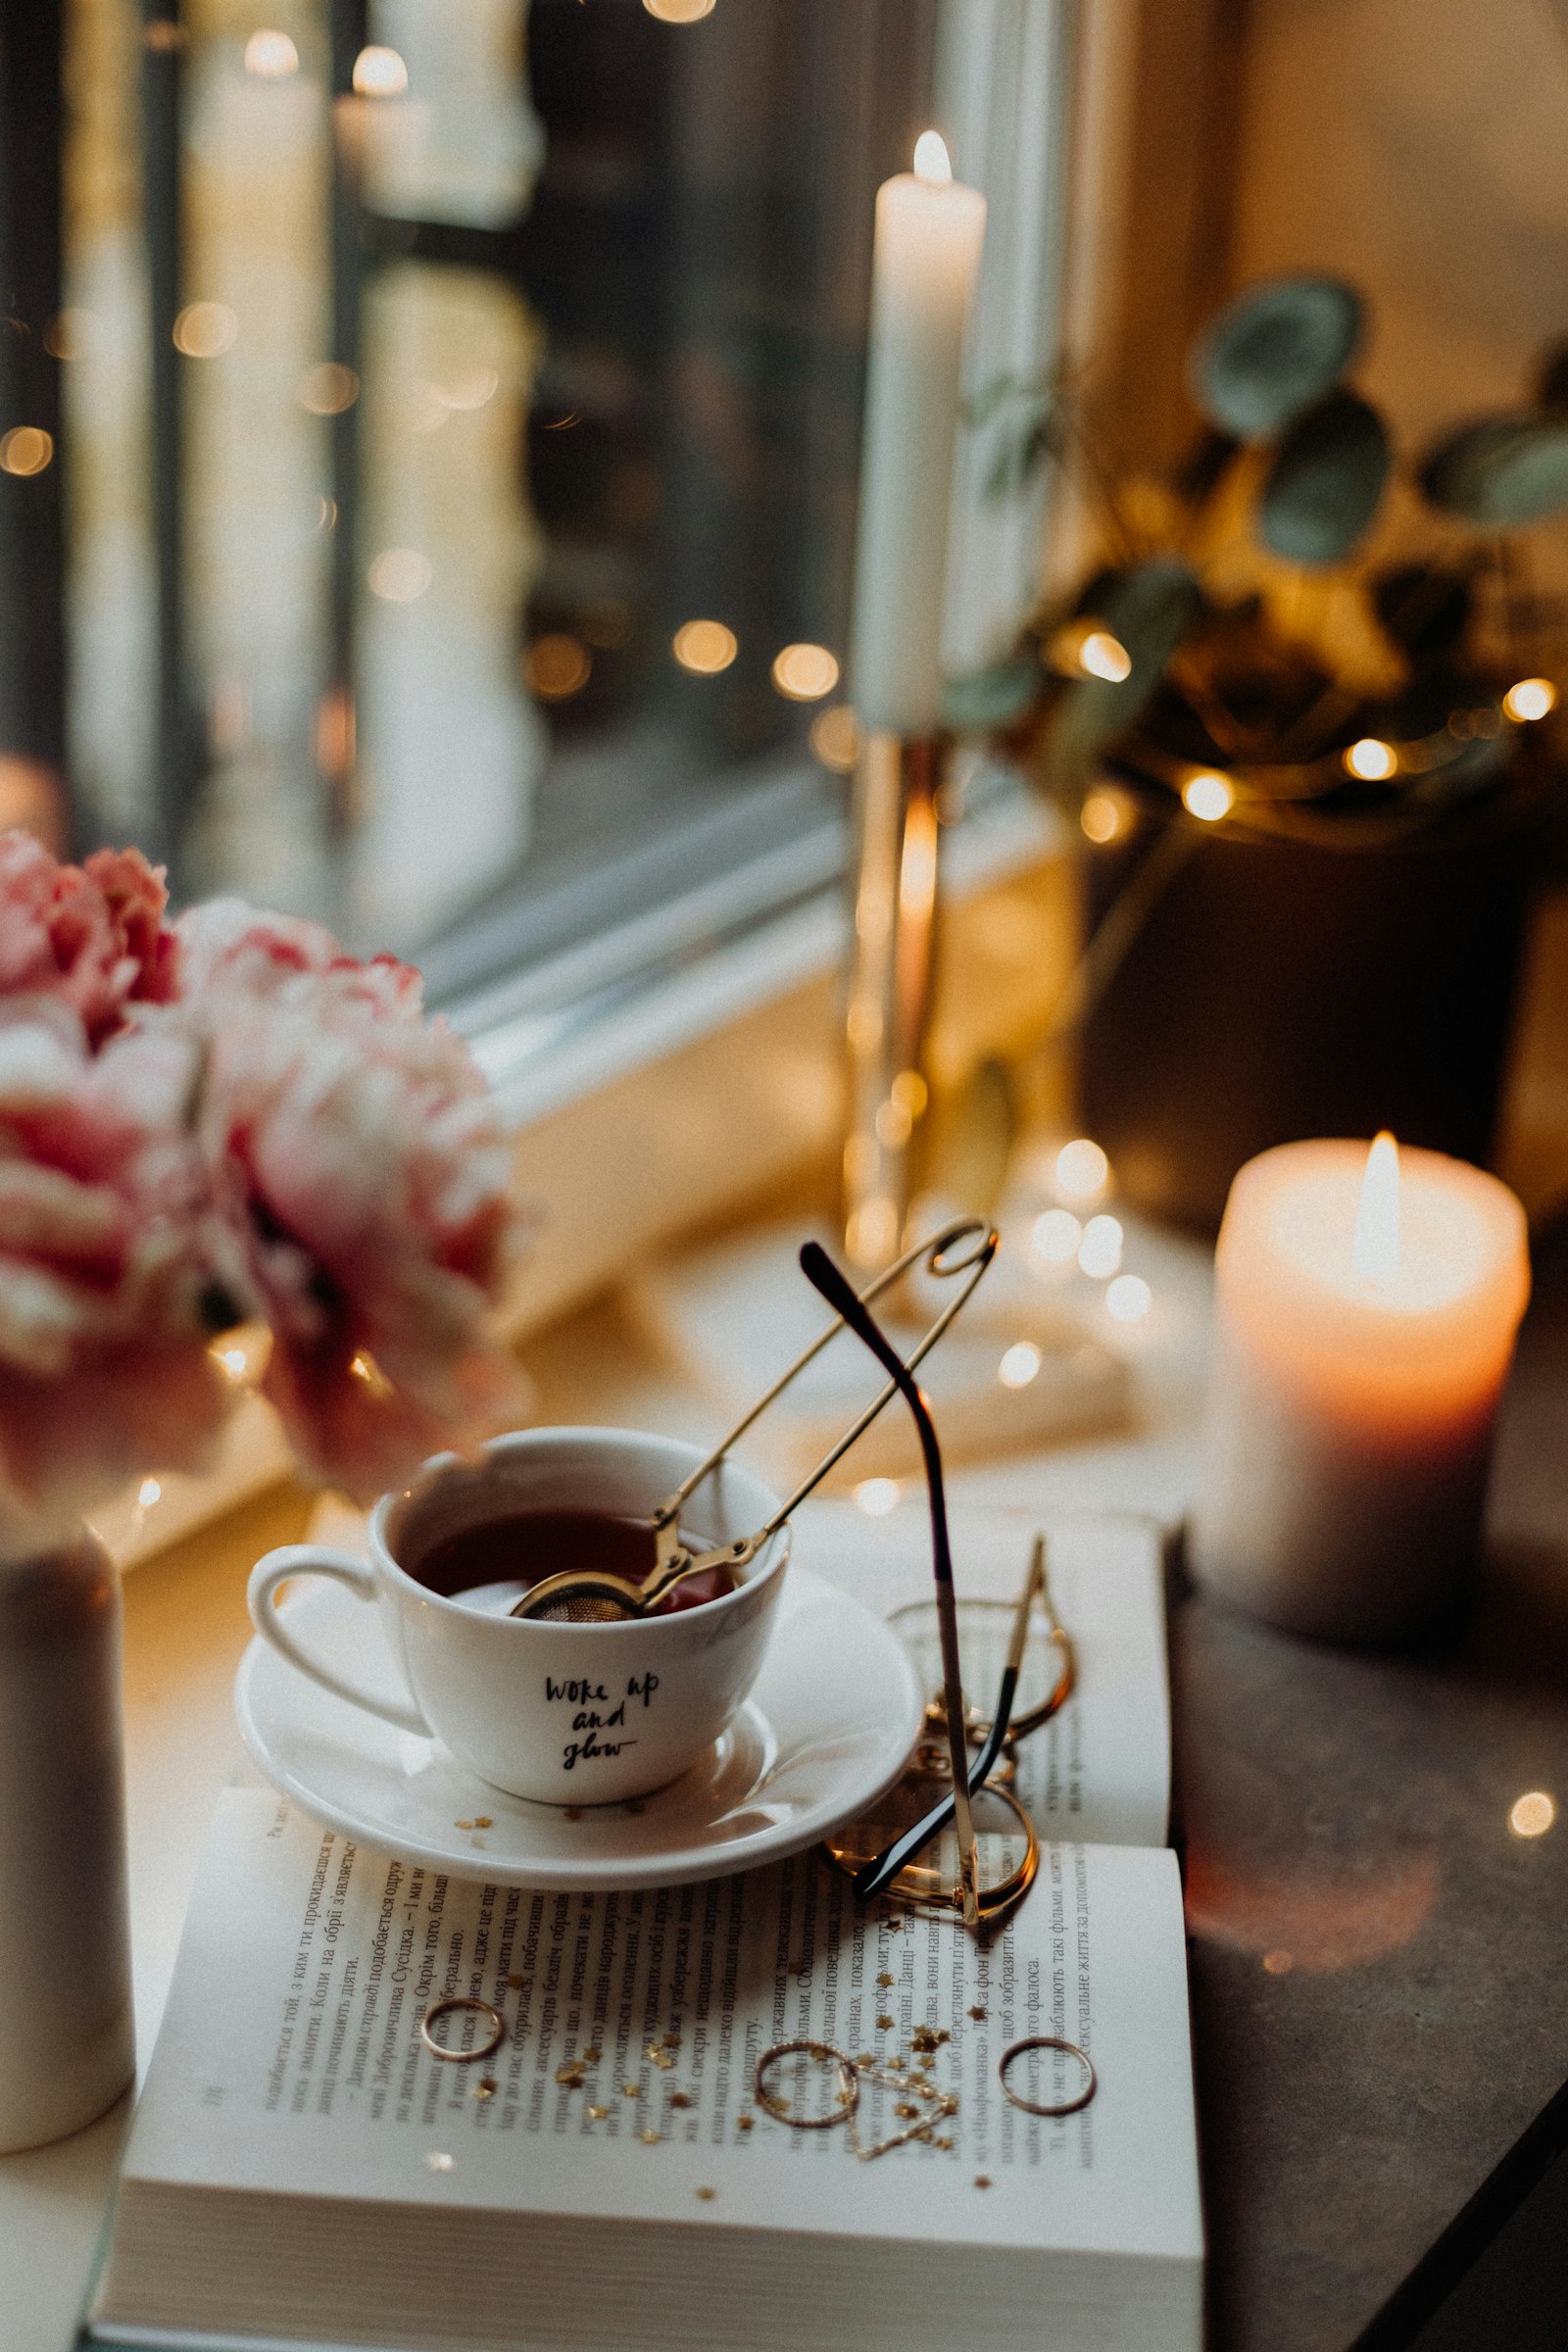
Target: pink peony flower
360,1185
104,1365
92,936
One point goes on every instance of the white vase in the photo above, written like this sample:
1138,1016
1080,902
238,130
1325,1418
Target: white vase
66,2044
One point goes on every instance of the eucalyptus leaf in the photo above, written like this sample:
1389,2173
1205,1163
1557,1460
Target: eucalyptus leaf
994,697
1275,350
1147,609
1326,481
1501,472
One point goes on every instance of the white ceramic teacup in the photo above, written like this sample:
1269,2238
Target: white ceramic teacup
568,1714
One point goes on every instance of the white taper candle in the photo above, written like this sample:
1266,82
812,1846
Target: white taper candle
926,260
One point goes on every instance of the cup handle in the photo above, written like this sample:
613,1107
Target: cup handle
359,1576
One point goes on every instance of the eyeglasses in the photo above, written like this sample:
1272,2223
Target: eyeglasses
979,1894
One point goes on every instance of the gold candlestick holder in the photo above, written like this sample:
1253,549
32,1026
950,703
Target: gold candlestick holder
897,779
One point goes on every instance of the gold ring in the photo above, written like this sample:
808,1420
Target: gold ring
463,2000
780,2110
1048,2041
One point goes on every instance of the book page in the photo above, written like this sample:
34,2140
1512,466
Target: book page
290,2057
1100,1769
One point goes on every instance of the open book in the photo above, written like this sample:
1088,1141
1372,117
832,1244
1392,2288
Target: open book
302,2168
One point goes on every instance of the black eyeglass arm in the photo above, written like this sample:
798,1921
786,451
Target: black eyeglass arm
885,1866
819,1270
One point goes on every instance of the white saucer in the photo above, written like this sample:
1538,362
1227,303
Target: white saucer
828,1727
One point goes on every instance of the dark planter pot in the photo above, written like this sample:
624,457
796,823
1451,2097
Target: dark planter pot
1284,989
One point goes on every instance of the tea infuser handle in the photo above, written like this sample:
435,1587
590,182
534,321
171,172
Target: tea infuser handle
357,1577
940,1254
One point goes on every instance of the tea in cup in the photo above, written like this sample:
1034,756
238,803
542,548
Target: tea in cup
564,1713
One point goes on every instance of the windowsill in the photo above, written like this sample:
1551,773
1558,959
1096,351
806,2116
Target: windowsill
661,1076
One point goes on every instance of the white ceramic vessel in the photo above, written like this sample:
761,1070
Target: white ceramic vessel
66,2044
560,1713
827,1728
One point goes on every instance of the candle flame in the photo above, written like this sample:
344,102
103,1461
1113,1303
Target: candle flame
931,159
1375,1252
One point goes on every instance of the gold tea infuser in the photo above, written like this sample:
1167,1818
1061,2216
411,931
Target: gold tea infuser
964,1247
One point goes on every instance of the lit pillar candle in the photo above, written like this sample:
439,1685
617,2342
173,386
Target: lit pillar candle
1365,1319
929,231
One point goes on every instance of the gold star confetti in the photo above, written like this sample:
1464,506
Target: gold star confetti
978,2014
462,1825
672,2041
884,2025
886,1979
599,2114
593,2056
678,2098
482,1821
745,2123
865,2058
631,2090
516,1984
483,2090
656,2055
982,2180
944,2139
800,1968
906,2108
708,2195
650,2139
570,2077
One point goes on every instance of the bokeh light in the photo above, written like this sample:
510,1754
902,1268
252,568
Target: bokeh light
1103,656
271,56
1532,1815
1082,1170
679,11
329,388
1371,759
1020,1365
1105,816
1099,1250
399,575
1532,698
836,738
1208,794
1056,1237
876,1497
1128,1298
379,72
805,673
25,449
203,329
557,666
705,646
